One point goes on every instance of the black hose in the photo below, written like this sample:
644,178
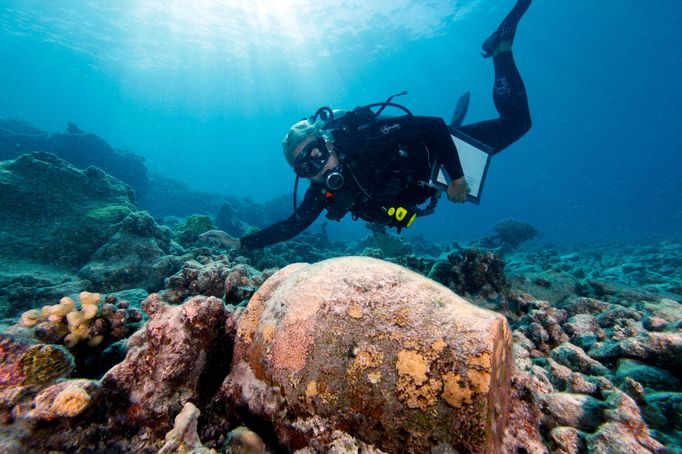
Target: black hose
295,194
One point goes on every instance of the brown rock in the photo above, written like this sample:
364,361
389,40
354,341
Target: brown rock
614,437
567,440
654,323
374,350
624,410
582,305
576,359
566,380
584,330
573,410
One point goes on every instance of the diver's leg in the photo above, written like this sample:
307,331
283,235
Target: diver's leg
509,95
509,92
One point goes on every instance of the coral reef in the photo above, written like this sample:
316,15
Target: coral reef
24,362
597,342
66,399
170,197
188,233
306,248
217,276
94,331
168,361
175,358
390,244
509,234
77,229
95,322
472,272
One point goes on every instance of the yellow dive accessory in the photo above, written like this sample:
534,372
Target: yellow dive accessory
401,216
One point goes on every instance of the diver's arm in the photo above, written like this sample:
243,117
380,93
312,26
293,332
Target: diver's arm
310,208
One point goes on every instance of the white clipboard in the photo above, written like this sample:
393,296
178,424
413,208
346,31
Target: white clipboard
474,158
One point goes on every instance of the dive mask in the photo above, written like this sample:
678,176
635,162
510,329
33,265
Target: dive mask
312,159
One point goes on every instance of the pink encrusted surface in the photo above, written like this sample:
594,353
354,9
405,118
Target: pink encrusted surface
166,359
374,349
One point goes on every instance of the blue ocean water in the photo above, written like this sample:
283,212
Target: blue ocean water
205,90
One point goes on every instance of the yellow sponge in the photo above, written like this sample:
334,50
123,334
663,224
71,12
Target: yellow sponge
71,401
31,318
89,298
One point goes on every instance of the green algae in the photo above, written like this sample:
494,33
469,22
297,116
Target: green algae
109,214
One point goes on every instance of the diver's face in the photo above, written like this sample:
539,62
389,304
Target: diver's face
313,149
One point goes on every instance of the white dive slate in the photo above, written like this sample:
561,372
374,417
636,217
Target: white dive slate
475,159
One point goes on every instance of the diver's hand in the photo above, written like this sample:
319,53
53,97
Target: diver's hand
221,237
457,191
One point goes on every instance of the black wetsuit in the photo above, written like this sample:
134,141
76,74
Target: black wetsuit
388,163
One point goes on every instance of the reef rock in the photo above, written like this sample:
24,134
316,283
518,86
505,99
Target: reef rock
137,255
168,362
66,214
379,352
214,276
78,148
73,219
646,375
25,368
26,284
661,349
183,438
227,221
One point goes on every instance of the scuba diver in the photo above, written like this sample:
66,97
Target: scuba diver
379,168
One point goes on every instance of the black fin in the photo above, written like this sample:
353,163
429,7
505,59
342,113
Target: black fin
461,110
507,29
